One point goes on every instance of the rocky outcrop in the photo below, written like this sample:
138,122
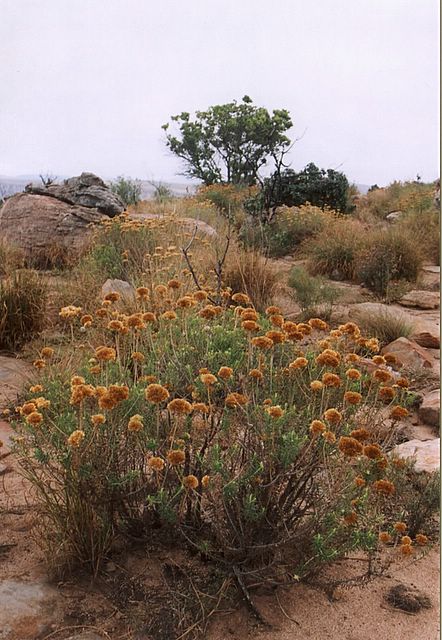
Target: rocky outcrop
421,300
41,224
86,190
426,334
426,454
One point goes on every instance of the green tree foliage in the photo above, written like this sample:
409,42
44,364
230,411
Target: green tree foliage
129,190
229,143
321,188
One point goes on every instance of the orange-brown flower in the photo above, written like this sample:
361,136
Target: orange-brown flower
353,374
372,451
352,358
277,320
386,393
275,411
180,406
190,482
272,310
390,358
118,392
236,400
105,353
352,397
169,315
333,416
95,369
225,373
39,363
400,527
248,314
100,313
156,393
360,434
80,392
331,380
351,518
350,328
241,298
317,427
250,325
142,293
137,356
156,463
421,539
37,388
317,323
403,383
316,385
329,358
298,363
200,296
149,317
379,360
160,289
28,408
47,353
76,438
398,412
135,321
135,423
262,342
406,549
205,481
405,540
200,407
34,418
185,302
208,312
256,374
382,375
360,482
385,537
329,437
176,456
208,379
350,446
113,296
97,419
384,487
277,337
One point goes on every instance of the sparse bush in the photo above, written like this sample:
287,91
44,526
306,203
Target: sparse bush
162,192
22,306
390,256
287,230
313,294
249,271
127,189
333,252
387,326
423,228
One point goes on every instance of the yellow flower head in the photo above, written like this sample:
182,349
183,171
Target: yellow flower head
156,393
76,438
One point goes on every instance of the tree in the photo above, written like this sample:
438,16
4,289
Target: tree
231,142
320,187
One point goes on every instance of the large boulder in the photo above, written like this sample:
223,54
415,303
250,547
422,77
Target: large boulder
87,190
426,454
40,225
409,354
421,299
429,411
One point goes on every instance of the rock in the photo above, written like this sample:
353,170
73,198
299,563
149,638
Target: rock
426,454
429,411
126,290
26,608
363,310
13,375
409,354
86,190
394,216
426,334
430,277
418,432
421,299
87,635
42,225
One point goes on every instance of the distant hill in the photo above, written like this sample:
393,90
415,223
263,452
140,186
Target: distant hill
16,184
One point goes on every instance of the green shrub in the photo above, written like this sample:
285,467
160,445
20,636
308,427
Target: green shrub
127,189
333,252
287,231
390,256
312,293
22,305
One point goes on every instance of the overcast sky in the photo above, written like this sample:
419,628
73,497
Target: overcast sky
86,84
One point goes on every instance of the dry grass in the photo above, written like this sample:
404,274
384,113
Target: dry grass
252,273
387,326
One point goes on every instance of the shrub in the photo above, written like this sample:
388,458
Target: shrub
250,272
387,326
423,228
227,198
333,252
128,190
287,230
191,423
408,197
22,306
313,294
391,256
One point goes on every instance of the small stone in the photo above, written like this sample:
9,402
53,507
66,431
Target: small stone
429,411
394,216
125,289
111,567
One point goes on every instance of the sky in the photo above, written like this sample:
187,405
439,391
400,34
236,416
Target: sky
85,85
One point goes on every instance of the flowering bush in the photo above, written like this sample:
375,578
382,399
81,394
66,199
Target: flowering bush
258,441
